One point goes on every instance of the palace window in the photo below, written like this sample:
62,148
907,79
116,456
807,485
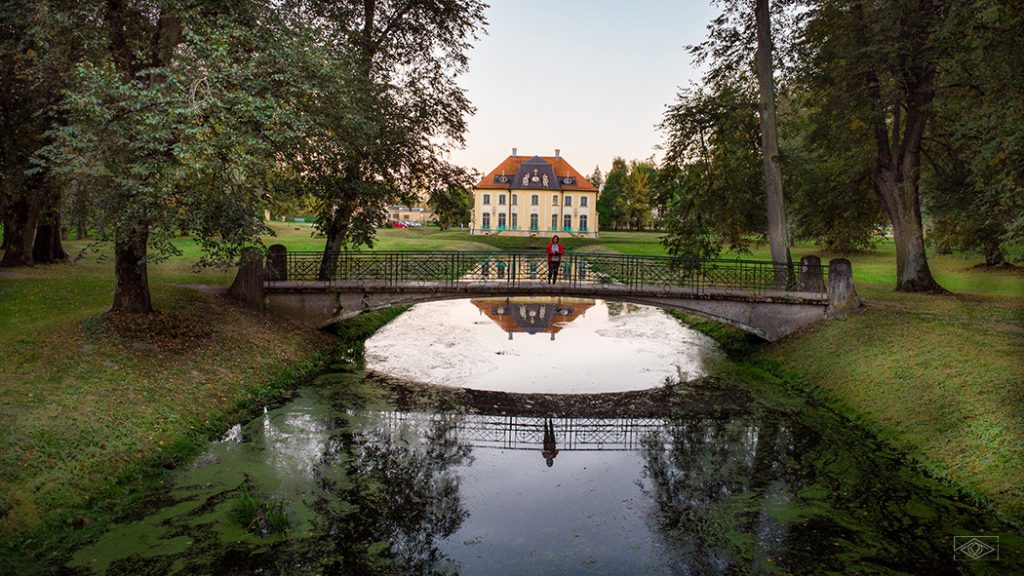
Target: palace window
583,201
567,222
501,221
554,200
568,200
533,221
583,222
515,199
554,221
487,199
501,199
515,220
486,221
534,200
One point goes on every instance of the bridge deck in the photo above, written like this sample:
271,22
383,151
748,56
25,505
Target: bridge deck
539,288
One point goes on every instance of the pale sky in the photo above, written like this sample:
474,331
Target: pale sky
590,77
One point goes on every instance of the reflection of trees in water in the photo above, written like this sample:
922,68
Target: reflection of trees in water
620,308
710,480
388,498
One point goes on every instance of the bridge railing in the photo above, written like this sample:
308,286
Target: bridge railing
515,268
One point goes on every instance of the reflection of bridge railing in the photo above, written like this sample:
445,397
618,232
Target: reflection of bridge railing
527,267
527,432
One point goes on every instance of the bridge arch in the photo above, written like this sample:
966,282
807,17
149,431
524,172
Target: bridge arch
320,290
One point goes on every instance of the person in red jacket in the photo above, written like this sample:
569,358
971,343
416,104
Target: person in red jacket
555,253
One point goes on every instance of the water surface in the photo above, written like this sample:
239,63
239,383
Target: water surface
388,473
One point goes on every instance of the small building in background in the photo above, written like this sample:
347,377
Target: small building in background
535,195
407,214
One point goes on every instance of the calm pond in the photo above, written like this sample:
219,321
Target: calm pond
549,436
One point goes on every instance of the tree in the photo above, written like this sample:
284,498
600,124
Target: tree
596,178
610,202
40,42
710,184
175,130
637,193
407,55
974,180
878,64
452,205
776,210
828,178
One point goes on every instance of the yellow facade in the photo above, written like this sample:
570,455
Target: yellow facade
558,201
512,212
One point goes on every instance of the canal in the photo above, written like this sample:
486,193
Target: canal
548,436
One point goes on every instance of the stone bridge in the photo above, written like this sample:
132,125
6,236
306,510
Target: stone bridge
769,299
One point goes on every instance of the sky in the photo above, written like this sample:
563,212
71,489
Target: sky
589,77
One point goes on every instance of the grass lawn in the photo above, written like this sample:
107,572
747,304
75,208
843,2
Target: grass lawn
90,408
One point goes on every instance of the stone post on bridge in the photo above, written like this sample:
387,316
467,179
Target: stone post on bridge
277,268
248,284
811,277
842,297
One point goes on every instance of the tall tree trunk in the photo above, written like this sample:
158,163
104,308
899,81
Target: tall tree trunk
777,235
903,206
131,278
7,232
19,231
336,232
899,129
47,248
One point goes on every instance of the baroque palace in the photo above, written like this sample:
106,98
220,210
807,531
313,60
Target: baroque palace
531,196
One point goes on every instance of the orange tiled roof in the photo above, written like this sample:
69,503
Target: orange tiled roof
511,165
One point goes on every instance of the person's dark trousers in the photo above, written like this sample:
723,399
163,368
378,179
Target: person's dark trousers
552,272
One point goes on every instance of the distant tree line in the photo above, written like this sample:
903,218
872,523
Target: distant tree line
146,119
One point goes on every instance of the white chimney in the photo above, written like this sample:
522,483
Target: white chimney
514,150
557,152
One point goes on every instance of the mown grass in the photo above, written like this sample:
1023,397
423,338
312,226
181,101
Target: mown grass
93,408
940,377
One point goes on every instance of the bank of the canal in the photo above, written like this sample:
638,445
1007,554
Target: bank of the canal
936,377
96,410
735,473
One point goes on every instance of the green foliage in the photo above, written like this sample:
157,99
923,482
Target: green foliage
187,147
406,58
710,188
975,183
829,189
452,205
610,204
626,200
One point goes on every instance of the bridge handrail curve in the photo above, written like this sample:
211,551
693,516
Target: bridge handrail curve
522,267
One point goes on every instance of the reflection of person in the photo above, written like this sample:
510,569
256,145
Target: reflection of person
550,451
555,253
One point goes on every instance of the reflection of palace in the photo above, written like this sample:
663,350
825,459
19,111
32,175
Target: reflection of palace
533,314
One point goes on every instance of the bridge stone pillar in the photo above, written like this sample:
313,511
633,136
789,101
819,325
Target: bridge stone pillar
811,279
842,297
278,265
248,284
